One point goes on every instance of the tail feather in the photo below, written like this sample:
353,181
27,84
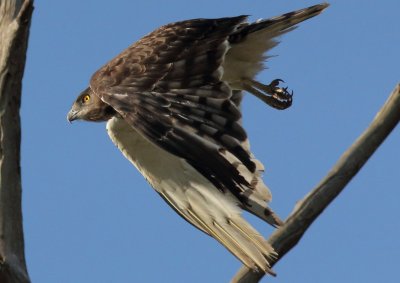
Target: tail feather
225,223
246,243
279,24
250,256
249,43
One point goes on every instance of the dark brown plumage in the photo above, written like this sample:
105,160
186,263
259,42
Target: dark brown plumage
173,104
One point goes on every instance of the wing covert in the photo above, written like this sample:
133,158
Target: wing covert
168,87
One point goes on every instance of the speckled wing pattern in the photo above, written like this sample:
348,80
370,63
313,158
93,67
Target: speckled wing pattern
168,87
180,87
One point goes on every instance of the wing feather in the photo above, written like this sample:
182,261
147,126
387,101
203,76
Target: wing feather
174,87
176,90
168,86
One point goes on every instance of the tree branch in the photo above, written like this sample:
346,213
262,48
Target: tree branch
307,210
15,18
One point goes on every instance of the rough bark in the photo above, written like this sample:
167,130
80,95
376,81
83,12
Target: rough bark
307,210
15,18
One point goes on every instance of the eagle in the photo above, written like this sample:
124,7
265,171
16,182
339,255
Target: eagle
172,105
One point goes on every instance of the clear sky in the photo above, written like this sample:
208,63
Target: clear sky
89,216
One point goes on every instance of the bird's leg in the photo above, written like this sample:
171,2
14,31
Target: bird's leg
274,96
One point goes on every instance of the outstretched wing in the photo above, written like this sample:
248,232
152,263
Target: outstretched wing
168,87
179,88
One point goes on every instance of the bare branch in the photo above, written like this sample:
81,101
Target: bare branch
15,17
307,210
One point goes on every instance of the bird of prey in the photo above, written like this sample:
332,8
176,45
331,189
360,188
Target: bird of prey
172,105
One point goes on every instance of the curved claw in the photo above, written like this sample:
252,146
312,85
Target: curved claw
276,82
275,96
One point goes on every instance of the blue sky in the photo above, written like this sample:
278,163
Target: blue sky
89,216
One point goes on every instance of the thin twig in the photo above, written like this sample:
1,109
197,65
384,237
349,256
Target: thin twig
287,236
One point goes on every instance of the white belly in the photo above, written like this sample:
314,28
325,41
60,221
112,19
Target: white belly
169,175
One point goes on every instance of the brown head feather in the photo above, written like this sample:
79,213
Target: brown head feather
89,107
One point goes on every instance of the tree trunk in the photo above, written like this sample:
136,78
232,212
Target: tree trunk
15,18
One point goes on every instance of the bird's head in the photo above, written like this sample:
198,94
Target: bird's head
89,107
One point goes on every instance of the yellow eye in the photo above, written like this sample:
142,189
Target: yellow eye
86,98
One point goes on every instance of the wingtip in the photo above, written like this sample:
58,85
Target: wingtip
317,9
323,6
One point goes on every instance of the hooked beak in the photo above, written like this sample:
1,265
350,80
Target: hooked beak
72,115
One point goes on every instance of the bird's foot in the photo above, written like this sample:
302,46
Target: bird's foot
275,96
282,96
